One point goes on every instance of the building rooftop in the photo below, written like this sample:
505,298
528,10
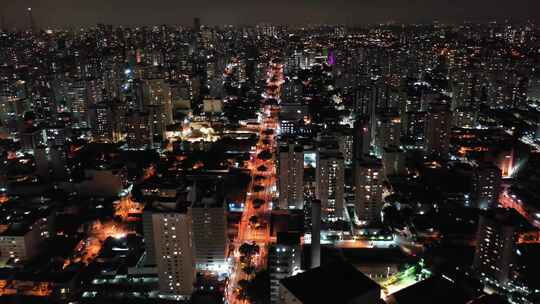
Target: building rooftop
508,217
432,290
337,282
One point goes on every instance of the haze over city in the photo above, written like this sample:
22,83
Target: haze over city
54,13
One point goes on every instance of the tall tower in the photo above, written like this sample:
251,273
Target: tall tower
197,24
209,224
368,194
330,180
486,185
497,235
291,176
284,259
169,233
315,233
31,22
438,127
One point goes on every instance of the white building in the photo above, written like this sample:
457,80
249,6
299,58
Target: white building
291,176
330,183
368,193
209,224
174,250
284,260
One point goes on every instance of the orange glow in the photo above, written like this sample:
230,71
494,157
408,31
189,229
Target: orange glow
465,150
27,288
126,207
3,198
507,165
249,233
88,249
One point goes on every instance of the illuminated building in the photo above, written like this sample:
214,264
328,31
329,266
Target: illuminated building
156,92
284,259
343,138
23,232
346,145
32,137
388,132
173,248
437,133
330,180
486,185
138,130
158,121
291,176
76,100
56,135
497,237
368,194
464,118
292,119
506,163
361,137
209,224
414,127
104,123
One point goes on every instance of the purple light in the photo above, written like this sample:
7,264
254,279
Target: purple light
331,59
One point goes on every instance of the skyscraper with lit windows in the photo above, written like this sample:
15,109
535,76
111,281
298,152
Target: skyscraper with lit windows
437,133
330,181
368,194
291,176
173,248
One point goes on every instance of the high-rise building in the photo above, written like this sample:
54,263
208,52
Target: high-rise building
361,137
330,183
31,137
209,224
76,100
284,259
368,194
438,127
388,132
104,123
486,185
157,92
315,233
413,126
291,176
496,244
341,137
138,130
196,24
393,160
171,237
292,119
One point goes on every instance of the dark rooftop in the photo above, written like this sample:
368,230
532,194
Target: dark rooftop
337,282
433,290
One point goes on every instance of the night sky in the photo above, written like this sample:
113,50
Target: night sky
130,12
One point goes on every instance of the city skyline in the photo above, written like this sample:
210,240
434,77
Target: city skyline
64,13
